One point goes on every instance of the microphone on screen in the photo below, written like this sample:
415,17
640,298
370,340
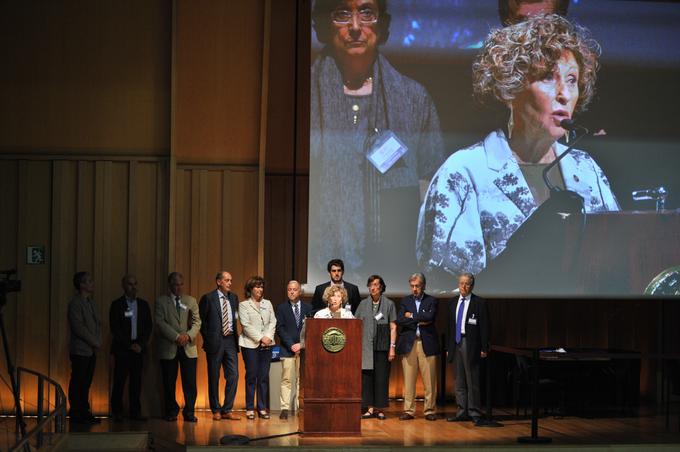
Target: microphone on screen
570,124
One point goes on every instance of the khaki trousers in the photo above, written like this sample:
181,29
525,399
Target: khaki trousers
411,362
290,369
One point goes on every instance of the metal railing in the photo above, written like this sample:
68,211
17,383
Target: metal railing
46,415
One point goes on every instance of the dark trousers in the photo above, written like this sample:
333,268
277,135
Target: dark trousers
257,361
188,371
225,359
375,383
82,371
127,363
467,381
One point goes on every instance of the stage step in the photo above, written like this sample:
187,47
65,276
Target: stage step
106,442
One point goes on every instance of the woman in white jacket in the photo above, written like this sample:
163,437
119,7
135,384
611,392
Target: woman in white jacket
259,325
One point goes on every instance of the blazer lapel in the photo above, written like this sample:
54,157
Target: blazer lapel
510,180
172,306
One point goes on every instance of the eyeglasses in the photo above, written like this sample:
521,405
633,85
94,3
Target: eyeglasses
344,16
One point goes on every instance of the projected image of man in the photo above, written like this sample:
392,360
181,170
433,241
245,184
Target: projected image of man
374,136
514,11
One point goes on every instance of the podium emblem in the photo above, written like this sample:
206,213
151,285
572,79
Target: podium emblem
333,339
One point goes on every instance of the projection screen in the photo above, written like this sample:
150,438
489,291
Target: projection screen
414,166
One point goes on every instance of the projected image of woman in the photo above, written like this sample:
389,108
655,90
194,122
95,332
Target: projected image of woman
362,107
544,71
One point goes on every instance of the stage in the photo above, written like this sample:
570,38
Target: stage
644,430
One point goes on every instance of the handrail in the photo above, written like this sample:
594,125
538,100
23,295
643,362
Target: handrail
44,418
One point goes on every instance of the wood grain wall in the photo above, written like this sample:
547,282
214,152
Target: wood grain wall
100,216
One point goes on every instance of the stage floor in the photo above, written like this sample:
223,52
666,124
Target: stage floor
644,429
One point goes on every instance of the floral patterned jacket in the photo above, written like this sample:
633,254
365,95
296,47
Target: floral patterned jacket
478,198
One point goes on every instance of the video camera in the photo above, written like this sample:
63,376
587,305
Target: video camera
8,282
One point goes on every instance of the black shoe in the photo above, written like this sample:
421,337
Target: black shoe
459,418
80,420
170,417
479,422
283,415
406,417
93,420
431,417
190,418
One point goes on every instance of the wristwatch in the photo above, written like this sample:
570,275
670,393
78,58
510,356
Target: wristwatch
393,345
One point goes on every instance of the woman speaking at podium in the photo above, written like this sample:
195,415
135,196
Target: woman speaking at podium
543,70
335,297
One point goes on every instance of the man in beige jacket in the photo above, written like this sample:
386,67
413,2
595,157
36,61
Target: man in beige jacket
177,324
85,339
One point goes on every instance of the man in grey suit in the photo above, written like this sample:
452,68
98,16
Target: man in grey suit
219,312
177,324
86,338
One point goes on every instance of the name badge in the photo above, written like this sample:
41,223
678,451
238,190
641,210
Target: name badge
472,321
379,316
128,314
183,306
387,149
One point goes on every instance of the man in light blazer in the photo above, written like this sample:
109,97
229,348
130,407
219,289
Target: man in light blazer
468,344
290,317
336,270
418,344
85,339
177,324
219,313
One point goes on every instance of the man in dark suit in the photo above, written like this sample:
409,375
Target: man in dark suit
468,334
130,322
418,344
289,320
336,268
219,312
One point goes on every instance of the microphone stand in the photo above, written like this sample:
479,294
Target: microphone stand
538,242
569,125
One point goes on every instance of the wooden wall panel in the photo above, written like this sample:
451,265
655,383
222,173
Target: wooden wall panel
217,77
86,77
63,264
216,229
9,203
80,211
33,314
147,257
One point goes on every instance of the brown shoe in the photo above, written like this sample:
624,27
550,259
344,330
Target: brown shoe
217,416
231,416
406,417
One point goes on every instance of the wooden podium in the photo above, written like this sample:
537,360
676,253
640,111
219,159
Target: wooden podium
608,253
332,380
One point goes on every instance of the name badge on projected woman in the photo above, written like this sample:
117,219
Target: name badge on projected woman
386,150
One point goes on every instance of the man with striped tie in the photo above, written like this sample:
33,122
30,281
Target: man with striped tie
219,313
468,333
